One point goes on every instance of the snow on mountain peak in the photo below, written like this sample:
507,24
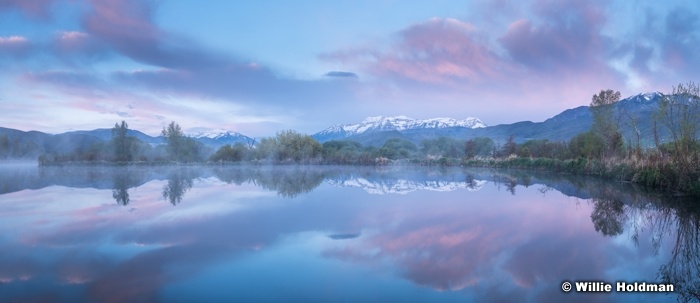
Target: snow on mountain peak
646,100
214,134
651,95
399,123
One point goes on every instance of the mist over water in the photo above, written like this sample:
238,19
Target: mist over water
327,233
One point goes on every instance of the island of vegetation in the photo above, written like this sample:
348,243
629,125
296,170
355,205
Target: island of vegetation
671,164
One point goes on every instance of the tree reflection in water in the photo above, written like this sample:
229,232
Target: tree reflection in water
678,218
291,183
123,178
179,182
683,269
288,182
608,215
120,191
616,207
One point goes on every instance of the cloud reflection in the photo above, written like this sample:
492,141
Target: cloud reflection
487,244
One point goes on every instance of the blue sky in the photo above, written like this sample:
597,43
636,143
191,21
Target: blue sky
258,67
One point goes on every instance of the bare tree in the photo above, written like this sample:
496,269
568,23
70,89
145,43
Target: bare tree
679,112
633,123
605,123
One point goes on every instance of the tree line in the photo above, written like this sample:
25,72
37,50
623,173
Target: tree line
671,164
290,146
123,148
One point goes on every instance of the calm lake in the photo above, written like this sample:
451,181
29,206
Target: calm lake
335,234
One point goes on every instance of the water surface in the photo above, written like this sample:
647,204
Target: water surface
320,234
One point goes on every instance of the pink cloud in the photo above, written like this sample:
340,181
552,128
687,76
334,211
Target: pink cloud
125,24
170,66
459,240
77,43
450,52
449,247
438,51
549,59
127,27
14,45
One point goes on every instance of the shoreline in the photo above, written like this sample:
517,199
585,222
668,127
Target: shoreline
664,178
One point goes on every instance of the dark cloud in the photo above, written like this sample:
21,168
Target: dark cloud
128,28
663,47
641,58
681,40
125,27
681,22
173,65
456,64
242,83
565,36
339,74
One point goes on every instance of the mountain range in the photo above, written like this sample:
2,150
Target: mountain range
221,137
31,144
634,113
397,123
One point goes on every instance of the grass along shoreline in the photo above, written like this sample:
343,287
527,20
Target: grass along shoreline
662,175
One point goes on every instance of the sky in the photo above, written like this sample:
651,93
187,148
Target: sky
259,67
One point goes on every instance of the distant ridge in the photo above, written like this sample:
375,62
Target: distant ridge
31,144
215,138
562,127
221,137
377,130
396,123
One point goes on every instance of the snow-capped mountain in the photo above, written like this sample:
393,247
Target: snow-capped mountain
649,101
220,137
397,123
214,134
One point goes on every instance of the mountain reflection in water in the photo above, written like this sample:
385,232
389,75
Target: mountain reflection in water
483,235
